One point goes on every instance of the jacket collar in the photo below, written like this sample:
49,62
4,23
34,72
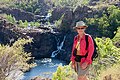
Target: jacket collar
83,37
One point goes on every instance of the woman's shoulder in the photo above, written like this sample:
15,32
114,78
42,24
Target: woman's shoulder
75,37
89,36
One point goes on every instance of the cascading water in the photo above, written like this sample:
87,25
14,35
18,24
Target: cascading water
59,47
46,66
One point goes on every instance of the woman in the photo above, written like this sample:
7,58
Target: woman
81,58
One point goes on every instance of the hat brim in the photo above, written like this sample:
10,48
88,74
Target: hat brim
79,26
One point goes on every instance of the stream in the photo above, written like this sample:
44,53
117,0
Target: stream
45,68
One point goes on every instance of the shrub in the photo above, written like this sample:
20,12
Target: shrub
69,3
109,55
11,19
64,73
116,38
27,24
105,25
58,22
13,60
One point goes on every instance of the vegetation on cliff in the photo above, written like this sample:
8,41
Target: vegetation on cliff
106,26
116,38
20,23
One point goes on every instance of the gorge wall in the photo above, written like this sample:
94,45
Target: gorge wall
45,41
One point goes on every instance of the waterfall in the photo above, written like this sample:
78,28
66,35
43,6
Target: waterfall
59,47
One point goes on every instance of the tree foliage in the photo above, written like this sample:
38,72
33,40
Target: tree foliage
109,55
27,24
11,19
64,73
69,3
13,60
20,23
116,38
105,25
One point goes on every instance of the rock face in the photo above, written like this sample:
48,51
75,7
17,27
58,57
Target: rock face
80,13
58,12
66,21
44,42
23,15
65,52
19,14
7,36
71,16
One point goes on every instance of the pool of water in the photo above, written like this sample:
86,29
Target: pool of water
45,68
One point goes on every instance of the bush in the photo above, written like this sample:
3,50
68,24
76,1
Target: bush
64,73
58,22
116,38
13,60
27,24
69,3
105,25
11,19
30,6
109,55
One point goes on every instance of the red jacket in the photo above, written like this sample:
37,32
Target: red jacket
83,51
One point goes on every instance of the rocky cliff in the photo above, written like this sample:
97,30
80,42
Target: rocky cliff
19,14
80,13
44,42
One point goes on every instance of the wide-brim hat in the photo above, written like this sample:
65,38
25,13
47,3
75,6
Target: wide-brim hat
80,24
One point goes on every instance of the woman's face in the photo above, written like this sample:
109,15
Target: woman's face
80,30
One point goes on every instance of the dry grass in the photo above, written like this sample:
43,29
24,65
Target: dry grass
6,3
112,73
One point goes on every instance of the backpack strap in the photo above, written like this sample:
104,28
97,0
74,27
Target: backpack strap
86,39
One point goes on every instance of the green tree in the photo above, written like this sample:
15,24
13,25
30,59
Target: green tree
105,25
13,60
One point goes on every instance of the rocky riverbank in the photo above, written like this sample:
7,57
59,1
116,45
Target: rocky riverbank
38,78
44,40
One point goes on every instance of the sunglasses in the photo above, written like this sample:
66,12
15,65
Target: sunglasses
80,28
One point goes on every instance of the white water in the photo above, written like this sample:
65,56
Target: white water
59,47
45,68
